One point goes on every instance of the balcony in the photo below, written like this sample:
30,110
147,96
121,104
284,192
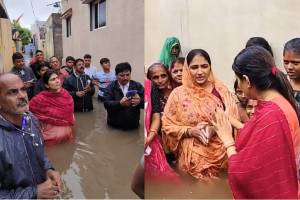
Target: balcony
67,13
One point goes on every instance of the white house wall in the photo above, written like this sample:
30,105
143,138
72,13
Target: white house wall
221,27
121,40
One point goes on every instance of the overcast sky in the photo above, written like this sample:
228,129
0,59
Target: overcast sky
17,7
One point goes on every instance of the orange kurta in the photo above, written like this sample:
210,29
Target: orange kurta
187,106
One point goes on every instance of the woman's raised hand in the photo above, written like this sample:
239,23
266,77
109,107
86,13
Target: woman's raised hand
223,127
231,108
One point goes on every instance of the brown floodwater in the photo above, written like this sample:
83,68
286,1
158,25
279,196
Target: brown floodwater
100,161
189,188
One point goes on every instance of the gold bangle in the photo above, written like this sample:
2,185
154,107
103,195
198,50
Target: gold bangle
153,131
229,145
233,145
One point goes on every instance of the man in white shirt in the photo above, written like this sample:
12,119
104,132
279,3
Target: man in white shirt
89,69
104,78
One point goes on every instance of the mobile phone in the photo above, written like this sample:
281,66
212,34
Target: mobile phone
131,93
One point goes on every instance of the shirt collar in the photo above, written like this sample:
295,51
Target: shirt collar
124,86
17,69
76,75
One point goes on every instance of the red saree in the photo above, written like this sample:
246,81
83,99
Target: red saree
53,108
55,111
264,166
156,165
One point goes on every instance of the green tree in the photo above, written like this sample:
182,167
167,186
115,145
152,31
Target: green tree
25,34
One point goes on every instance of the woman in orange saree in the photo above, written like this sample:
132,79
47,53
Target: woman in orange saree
186,122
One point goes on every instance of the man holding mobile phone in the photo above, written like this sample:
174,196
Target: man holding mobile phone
123,99
25,73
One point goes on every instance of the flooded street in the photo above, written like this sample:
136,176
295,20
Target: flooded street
100,161
190,188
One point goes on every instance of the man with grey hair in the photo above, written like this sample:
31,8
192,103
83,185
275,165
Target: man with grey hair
25,171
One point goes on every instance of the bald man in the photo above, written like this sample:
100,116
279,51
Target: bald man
25,171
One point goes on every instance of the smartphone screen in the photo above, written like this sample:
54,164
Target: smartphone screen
131,93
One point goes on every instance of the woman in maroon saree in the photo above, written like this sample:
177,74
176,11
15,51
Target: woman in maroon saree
55,110
262,159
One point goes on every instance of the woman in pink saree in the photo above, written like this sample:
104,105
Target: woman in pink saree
156,166
262,160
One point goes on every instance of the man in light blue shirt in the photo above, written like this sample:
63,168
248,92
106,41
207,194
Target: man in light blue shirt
104,78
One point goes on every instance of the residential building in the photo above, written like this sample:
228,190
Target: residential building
53,38
38,31
221,27
6,42
105,28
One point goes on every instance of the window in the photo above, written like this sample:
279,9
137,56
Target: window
98,14
68,25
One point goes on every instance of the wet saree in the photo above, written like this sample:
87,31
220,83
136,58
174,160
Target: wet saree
187,106
156,165
264,166
55,111
292,119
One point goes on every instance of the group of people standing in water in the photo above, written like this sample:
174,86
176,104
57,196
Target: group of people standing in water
196,126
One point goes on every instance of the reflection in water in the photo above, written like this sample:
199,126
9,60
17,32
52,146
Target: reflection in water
100,161
189,189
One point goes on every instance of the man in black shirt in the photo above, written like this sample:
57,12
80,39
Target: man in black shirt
25,73
80,87
39,58
123,99
69,64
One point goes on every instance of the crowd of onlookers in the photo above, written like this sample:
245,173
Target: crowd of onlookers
37,105
122,96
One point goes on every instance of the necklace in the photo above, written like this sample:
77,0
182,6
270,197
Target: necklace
26,127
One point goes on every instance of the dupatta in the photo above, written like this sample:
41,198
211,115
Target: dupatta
165,56
264,166
187,106
55,108
148,106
